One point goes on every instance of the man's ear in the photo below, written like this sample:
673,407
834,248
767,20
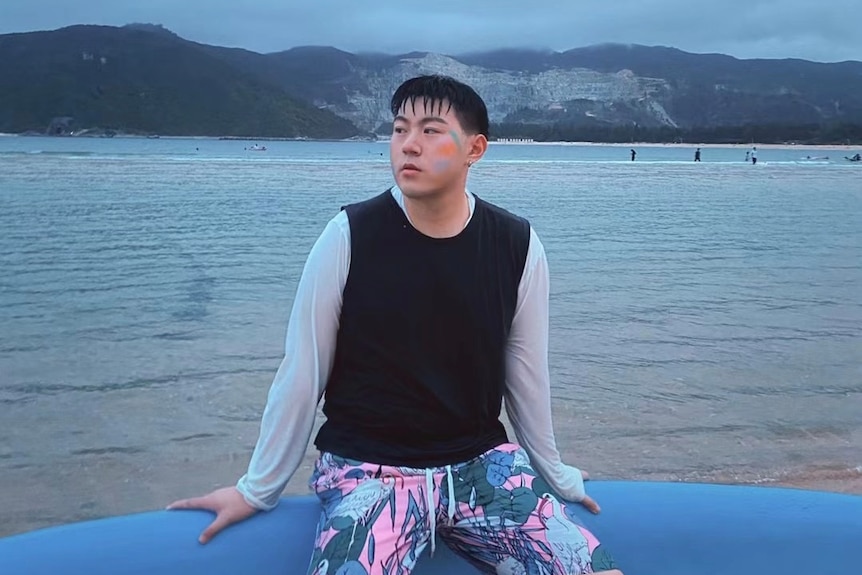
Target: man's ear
477,145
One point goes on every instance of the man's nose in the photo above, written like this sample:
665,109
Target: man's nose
410,145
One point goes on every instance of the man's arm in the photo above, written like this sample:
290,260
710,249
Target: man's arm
288,418
528,381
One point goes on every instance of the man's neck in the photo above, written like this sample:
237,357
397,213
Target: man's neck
440,216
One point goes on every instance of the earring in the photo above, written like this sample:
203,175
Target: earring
469,163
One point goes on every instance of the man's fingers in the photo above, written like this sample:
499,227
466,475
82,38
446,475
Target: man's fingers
217,525
178,504
192,503
585,475
591,505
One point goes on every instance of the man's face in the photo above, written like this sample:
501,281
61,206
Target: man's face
429,150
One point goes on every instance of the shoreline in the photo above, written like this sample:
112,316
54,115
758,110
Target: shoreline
824,479
382,140
842,147
106,487
108,484
827,478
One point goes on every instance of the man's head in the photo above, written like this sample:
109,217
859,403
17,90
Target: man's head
440,129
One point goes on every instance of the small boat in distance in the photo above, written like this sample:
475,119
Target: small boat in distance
256,148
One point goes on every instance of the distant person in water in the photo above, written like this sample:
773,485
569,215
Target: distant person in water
747,156
417,312
754,154
697,155
633,155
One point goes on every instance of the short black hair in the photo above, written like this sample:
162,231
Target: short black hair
467,105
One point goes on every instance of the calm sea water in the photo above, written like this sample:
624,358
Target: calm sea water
706,318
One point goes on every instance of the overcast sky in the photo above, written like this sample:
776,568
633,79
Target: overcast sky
828,31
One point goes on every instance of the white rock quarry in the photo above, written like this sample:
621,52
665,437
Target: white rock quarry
505,92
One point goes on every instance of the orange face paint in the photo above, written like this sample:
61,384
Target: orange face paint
449,148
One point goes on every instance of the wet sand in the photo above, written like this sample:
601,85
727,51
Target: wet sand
83,493
823,479
114,483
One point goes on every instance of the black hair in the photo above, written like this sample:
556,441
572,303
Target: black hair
463,100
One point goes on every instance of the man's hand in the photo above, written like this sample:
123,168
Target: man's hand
588,501
227,503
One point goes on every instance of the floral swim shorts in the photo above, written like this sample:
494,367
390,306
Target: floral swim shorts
494,511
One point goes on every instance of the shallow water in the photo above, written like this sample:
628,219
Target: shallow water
706,318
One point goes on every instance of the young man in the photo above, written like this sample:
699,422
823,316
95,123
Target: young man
417,312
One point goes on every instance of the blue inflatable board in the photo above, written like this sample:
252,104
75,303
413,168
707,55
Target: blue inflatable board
650,528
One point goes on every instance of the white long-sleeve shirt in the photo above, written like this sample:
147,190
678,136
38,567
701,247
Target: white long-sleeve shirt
300,382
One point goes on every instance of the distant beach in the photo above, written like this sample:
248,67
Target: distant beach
742,147
385,140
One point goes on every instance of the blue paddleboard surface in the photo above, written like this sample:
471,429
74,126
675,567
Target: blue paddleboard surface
649,528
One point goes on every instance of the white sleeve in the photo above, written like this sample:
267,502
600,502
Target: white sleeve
528,380
288,418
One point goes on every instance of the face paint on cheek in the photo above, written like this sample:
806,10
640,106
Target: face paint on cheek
455,139
441,165
448,150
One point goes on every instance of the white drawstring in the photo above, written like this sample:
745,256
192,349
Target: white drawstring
451,483
432,509
429,498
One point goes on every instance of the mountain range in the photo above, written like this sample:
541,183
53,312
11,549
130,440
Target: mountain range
145,79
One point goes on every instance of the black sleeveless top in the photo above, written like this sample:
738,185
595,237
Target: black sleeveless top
419,368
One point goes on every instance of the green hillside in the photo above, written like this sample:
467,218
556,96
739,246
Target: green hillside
138,81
